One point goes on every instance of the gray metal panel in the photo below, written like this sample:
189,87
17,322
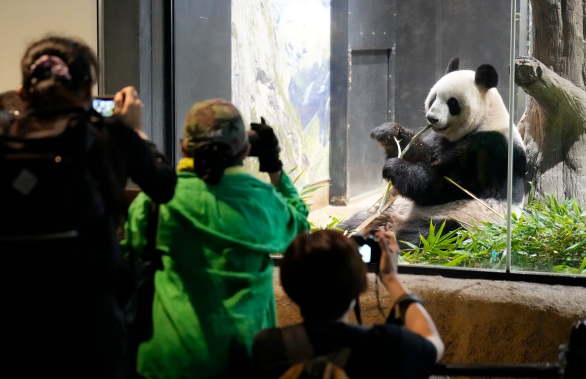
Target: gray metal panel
416,69
371,24
203,38
476,38
339,103
145,42
392,86
367,109
158,66
120,55
429,34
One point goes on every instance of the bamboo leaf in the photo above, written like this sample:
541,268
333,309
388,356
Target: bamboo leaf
583,266
298,177
310,190
410,245
575,246
457,261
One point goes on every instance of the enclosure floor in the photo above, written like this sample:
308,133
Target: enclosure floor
321,216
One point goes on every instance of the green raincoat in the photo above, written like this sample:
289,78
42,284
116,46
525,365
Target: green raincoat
216,289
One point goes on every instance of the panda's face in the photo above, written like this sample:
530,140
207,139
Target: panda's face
452,104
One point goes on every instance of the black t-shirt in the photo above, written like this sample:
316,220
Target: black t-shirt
382,351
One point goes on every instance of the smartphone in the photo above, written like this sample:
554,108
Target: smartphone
104,105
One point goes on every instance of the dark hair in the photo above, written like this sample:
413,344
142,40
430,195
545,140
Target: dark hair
210,161
11,101
323,272
43,86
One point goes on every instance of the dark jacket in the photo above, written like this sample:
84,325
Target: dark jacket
59,247
139,160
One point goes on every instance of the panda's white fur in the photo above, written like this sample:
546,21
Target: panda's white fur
481,108
478,114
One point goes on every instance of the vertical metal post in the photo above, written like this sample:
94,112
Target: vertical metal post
511,126
101,77
169,79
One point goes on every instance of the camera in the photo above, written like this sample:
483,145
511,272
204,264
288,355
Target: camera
104,105
368,248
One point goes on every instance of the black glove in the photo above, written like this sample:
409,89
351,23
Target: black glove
265,145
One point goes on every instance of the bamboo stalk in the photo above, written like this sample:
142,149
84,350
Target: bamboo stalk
398,145
369,220
401,155
415,137
375,203
382,206
384,200
474,197
461,222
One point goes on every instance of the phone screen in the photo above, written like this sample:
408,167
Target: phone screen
105,107
366,253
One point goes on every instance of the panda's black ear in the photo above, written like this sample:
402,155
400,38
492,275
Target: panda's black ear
454,65
486,76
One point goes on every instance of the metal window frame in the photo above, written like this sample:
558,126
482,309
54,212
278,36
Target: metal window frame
339,165
466,273
163,103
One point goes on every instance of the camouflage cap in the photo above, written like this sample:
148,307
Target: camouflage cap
214,120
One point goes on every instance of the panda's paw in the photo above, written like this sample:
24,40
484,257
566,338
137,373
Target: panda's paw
393,168
386,133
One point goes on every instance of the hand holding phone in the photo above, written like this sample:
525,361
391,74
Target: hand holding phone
129,107
389,258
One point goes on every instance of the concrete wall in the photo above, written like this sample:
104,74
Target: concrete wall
24,21
481,321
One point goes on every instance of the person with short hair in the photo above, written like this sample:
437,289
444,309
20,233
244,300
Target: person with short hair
323,273
215,290
63,172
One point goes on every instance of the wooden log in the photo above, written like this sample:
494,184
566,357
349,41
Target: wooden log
554,130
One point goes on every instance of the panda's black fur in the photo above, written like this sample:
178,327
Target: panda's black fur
476,161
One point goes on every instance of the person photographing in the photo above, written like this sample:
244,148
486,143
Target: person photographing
214,290
324,273
62,171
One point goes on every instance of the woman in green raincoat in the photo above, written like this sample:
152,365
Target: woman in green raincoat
215,290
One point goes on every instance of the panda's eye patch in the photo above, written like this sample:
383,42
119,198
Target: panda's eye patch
454,106
431,101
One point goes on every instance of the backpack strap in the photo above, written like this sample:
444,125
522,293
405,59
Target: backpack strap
297,344
298,347
340,357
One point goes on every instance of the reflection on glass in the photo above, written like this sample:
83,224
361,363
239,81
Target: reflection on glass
448,199
550,234
447,202
281,71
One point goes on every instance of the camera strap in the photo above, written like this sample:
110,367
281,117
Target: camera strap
357,311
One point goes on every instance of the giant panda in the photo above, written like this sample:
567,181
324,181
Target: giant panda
468,143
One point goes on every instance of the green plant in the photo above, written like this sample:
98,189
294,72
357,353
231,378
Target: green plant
305,194
330,223
546,236
306,190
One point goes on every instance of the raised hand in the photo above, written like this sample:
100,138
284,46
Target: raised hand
265,145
